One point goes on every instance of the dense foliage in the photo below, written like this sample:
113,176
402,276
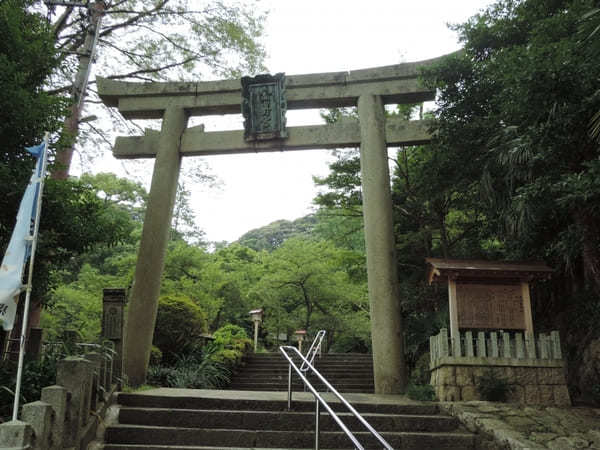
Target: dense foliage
512,172
513,136
180,324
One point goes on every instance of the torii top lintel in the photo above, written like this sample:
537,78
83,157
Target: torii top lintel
394,84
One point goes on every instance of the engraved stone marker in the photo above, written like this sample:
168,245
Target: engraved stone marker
112,317
113,306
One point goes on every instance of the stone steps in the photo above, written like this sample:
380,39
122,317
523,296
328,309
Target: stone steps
277,420
219,438
347,372
174,419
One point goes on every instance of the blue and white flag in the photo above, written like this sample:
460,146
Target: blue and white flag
19,247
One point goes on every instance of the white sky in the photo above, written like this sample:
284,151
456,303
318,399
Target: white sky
317,36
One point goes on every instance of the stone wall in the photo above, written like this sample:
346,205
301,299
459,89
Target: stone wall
531,384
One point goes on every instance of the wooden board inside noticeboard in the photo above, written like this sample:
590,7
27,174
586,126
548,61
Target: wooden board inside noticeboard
488,306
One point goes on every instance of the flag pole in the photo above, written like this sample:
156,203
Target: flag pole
33,238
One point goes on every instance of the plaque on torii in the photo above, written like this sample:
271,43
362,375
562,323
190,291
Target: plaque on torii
265,131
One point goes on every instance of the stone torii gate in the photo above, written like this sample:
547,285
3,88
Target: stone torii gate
175,102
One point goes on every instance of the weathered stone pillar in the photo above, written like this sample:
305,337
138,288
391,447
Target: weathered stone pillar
386,320
75,375
16,435
41,418
57,397
141,315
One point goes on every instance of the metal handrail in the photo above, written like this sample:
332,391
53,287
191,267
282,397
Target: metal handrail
315,348
320,400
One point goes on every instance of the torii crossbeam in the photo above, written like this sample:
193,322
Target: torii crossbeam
368,89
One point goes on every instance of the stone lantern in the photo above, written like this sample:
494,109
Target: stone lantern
256,315
300,334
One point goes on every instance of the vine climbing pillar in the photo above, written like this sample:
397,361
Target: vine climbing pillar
384,299
141,314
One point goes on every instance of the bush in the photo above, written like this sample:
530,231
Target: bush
493,388
203,368
155,356
229,345
180,324
191,372
420,392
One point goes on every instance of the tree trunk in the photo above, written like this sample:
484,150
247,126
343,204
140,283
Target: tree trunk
64,155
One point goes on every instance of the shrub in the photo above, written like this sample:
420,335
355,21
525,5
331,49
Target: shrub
420,392
229,345
155,356
191,372
493,388
180,324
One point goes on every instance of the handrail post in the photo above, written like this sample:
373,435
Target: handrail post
317,416
290,387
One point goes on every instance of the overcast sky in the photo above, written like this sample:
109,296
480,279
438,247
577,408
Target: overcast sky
311,36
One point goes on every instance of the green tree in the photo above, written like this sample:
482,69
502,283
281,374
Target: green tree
276,233
308,284
147,41
27,58
513,119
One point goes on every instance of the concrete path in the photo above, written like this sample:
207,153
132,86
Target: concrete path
280,396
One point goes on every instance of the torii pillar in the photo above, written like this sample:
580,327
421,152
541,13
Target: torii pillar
369,89
387,335
153,247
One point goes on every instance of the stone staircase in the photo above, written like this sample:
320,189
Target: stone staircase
178,419
347,372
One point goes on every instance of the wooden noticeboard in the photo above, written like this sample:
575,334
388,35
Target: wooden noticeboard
490,306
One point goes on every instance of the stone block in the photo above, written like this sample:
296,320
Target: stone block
594,437
532,395
41,418
469,393
464,376
500,372
16,434
439,391
509,374
550,375
56,397
75,374
517,395
447,376
477,372
561,396
546,395
449,394
568,443
525,376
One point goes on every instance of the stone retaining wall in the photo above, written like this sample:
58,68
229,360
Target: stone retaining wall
531,384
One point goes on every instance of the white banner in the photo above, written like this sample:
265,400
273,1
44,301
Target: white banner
13,263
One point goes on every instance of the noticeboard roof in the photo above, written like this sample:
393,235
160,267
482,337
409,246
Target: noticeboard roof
439,269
